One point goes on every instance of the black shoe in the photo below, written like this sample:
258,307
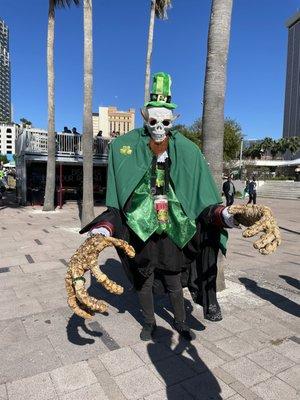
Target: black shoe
214,313
183,329
147,331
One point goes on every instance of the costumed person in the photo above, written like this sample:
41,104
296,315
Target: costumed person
163,201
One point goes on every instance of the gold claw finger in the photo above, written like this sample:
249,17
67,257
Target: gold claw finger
85,259
264,240
270,248
254,229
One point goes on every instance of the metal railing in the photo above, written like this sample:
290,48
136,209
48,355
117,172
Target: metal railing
67,144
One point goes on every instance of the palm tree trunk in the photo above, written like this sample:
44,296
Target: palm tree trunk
215,85
149,51
214,98
50,177
87,142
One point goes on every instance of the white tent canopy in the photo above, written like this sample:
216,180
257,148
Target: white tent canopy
10,164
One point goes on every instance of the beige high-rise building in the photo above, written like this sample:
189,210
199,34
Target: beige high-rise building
113,122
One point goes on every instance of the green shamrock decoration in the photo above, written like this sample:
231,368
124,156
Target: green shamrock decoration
126,150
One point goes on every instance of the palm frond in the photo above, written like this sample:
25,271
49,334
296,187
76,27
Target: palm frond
161,7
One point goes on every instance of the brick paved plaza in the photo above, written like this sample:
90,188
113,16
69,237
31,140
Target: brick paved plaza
47,353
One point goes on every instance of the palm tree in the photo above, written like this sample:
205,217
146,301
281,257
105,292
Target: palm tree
50,176
214,97
87,142
283,146
158,8
293,144
274,149
214,87
267,144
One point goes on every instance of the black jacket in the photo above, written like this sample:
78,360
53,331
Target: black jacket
226,188
252,187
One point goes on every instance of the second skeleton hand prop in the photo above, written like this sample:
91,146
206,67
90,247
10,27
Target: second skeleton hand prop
85,259
258,219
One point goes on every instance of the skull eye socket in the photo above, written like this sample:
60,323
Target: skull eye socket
166,122
152,122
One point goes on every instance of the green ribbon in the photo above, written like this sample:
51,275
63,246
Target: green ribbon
142,217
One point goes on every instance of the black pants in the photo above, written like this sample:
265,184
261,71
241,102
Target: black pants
173,284
252,197
229,199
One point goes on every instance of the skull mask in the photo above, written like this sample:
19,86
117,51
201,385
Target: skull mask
159,121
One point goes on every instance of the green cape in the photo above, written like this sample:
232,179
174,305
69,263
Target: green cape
130,158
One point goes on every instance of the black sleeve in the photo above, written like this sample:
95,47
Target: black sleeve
112,216
212,215
209,225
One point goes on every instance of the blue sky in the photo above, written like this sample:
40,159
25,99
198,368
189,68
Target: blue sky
256,69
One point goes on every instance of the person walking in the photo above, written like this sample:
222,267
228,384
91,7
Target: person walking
229,191
252,191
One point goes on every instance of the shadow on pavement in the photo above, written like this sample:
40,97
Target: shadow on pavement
291,281
73,326
276,299
79,205
173,369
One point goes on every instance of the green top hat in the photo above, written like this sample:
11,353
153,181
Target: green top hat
161,91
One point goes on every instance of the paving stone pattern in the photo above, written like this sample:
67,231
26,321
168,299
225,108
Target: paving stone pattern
48,353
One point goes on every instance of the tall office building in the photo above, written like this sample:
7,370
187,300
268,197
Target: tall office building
5,101
291,124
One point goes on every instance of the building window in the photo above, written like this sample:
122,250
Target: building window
8,130
8,152
8,136
8,141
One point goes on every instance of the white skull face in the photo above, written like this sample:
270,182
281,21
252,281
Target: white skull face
159,120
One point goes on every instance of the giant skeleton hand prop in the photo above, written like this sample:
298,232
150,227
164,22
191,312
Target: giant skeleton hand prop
86,258
258,219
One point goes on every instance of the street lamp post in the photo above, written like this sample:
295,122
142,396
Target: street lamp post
241,159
